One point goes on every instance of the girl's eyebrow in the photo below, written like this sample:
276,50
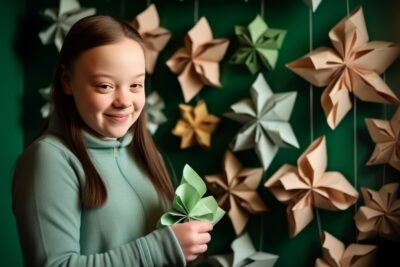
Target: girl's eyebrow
110,76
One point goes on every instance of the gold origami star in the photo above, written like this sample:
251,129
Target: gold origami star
196,125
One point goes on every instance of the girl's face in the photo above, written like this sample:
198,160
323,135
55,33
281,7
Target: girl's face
107,84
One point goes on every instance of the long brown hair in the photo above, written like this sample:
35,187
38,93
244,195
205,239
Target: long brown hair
90,32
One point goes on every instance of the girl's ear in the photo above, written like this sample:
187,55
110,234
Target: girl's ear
66,80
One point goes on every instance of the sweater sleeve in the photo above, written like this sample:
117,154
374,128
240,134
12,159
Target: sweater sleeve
46,205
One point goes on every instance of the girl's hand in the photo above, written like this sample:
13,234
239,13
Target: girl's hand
193,237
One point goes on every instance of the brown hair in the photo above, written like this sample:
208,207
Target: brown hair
90,32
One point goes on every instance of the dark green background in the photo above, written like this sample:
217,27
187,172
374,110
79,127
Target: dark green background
27,65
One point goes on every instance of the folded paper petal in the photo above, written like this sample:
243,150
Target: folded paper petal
266,121
313,4
45,110
310,186
335,254
244,254
63,18
236,191
353,66
195,126
258,45
381,213
155,37
197,64
386,135
189,203
155,117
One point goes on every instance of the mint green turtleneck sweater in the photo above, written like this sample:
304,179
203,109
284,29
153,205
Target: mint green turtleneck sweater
55,230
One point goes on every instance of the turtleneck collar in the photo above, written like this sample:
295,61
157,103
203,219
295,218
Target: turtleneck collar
90,141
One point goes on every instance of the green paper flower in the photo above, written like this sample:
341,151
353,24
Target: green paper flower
188,203
259,45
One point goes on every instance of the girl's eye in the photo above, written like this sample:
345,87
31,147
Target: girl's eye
104,87
137,86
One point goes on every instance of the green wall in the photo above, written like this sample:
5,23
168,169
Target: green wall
268,232
11,134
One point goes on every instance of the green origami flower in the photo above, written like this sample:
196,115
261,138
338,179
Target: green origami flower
258,45
188,203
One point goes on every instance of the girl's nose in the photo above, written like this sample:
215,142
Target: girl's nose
122,99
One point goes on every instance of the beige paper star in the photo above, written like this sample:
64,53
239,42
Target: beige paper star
236,191
381,213
195,126
335,254
155,38
197,64
385,134
353,66
310,186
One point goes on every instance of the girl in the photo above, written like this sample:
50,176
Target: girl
90,190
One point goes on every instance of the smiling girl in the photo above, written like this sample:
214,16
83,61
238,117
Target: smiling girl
90,190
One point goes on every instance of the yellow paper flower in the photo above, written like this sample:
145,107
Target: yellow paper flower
196,125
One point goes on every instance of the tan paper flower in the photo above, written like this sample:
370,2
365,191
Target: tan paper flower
236,191
386,136
381,213
155,38
353,66
334,254
310,186
198,62
196,125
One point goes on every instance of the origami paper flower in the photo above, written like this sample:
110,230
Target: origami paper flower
189,204
67,14
310,186
45,109
381,213
155,38
334,254
153,111
258,45
196,125
244,254
236,191
313,4
353,66
198,62
265,117
386,136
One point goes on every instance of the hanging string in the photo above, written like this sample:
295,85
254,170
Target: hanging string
261,244
196,11
122,11
262,8
310,32
385,117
